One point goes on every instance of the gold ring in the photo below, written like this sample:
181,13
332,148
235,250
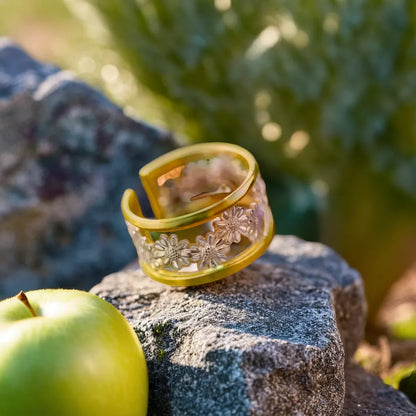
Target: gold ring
212,216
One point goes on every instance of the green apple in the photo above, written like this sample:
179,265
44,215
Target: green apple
69,353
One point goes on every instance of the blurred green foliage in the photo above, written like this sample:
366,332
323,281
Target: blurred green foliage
323,93
405,329
408,386
399,375
302,84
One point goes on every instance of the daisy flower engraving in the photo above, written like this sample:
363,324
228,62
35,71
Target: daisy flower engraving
172,252
210,251
255,222
232,224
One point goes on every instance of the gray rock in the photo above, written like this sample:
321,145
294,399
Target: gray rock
367,395
19,73
66,155
265,341
344,283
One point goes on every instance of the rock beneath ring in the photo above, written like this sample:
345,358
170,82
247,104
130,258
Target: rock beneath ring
266,341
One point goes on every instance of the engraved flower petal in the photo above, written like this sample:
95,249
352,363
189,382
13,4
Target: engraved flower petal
259,190
210,251
145,250
171,252
255,222
162,243
232,224
156,263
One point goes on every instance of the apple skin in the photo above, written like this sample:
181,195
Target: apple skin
78,357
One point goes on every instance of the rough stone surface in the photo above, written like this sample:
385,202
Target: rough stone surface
367,395
265,341
344,283
66,155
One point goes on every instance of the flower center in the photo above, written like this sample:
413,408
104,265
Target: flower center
233,224
172,253
209,252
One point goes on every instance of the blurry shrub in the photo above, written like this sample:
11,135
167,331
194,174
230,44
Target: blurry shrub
405,329
321,92
408,386
396,376
404,378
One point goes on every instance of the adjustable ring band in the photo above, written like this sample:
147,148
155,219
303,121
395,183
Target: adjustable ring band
212,216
